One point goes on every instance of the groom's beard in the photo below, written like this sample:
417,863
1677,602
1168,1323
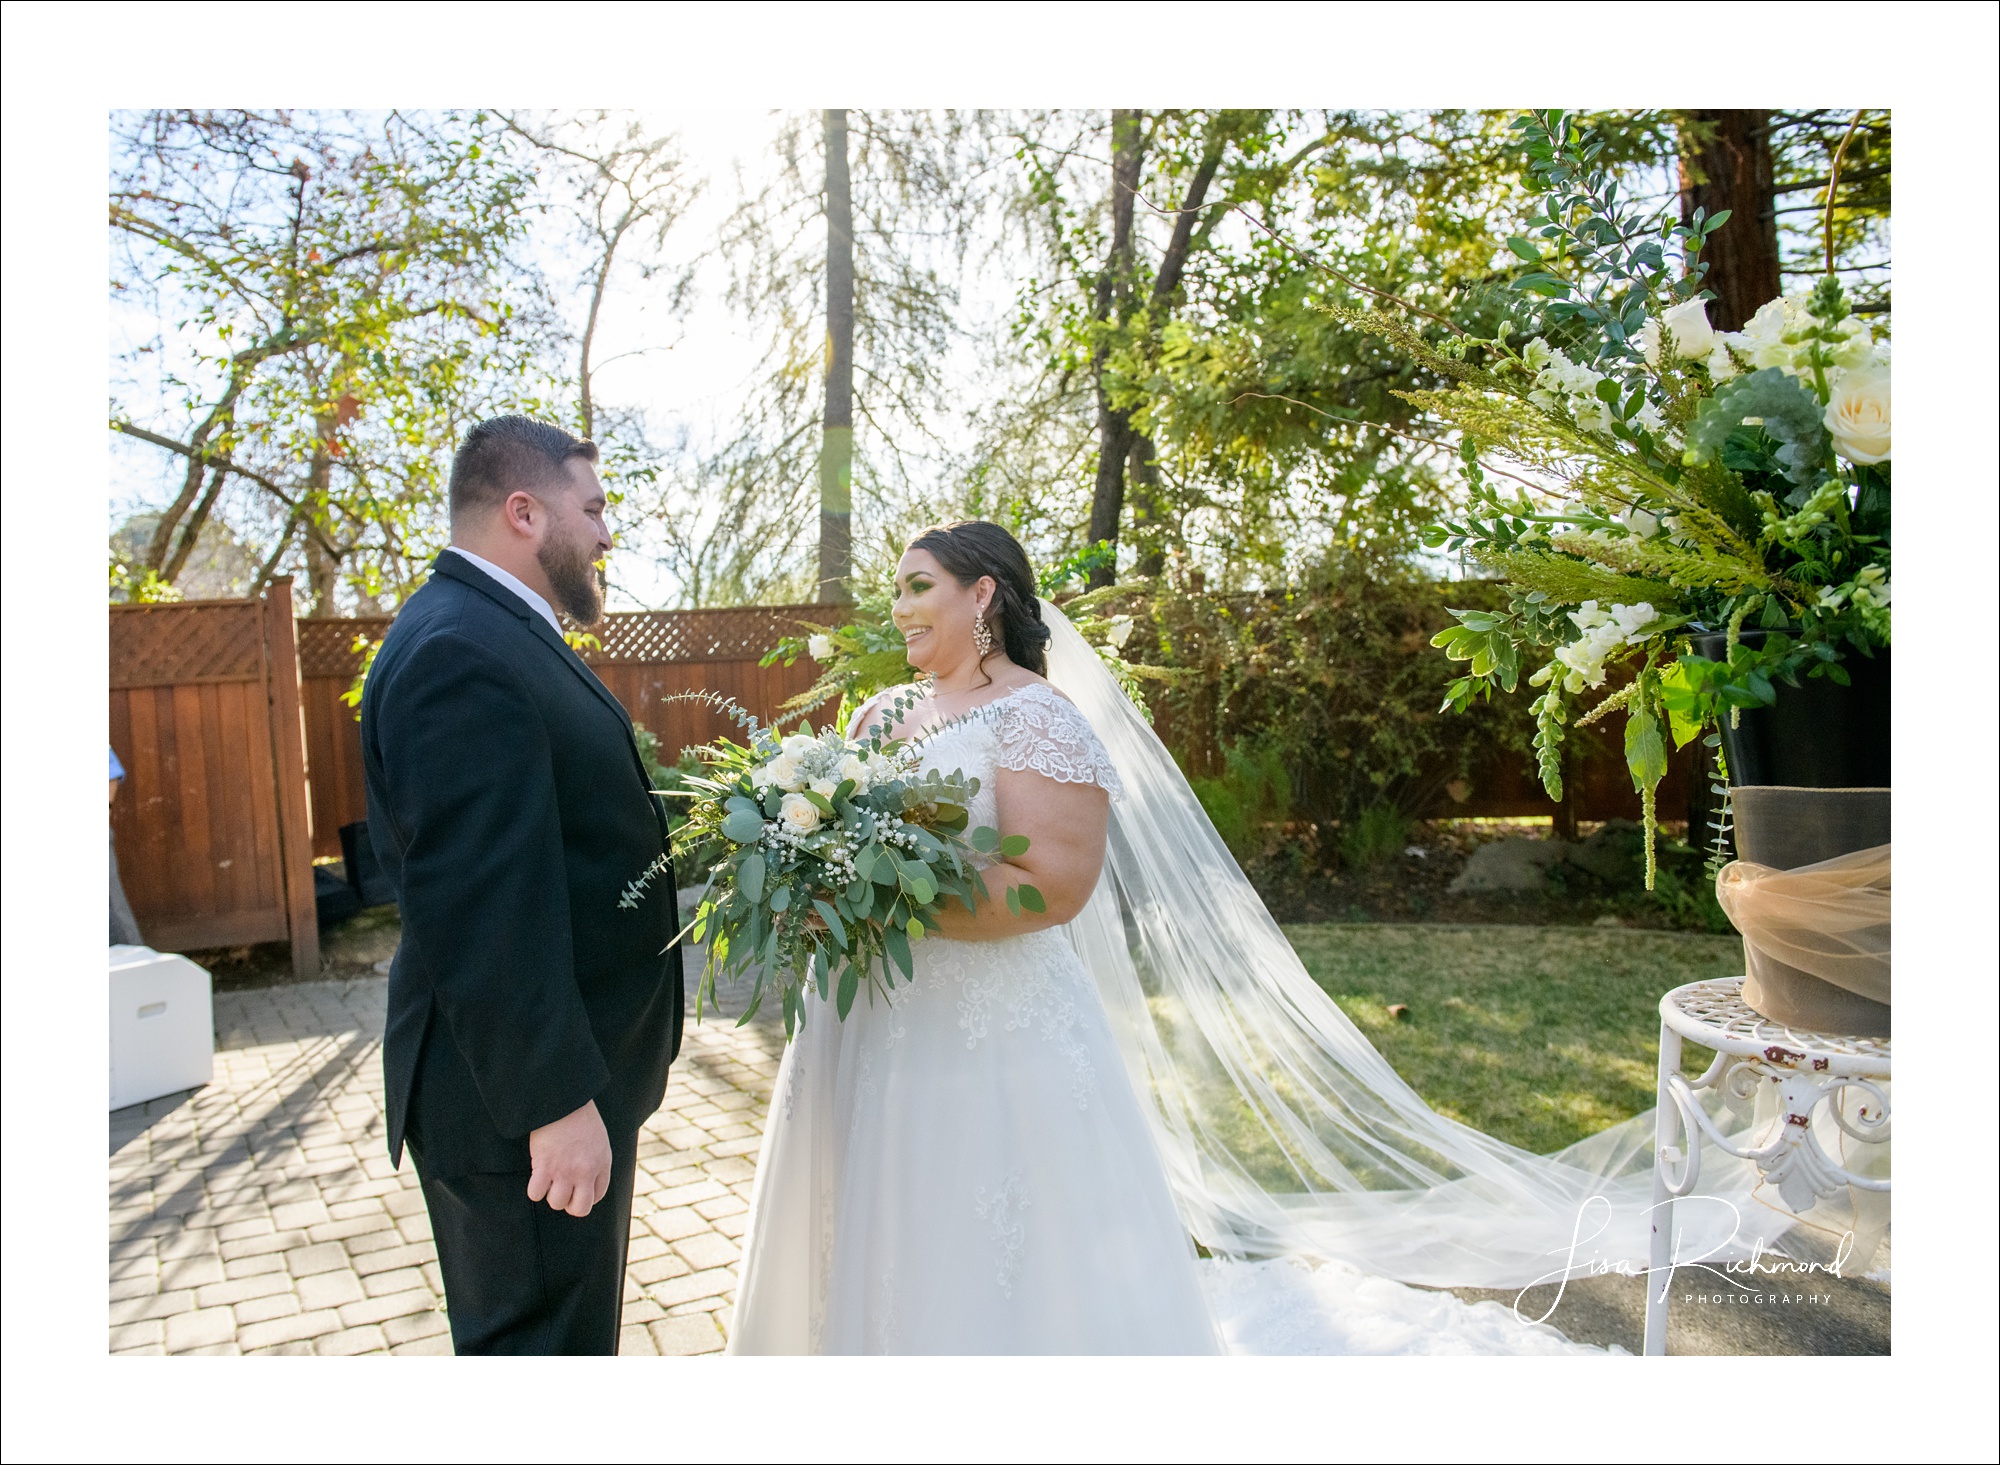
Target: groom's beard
573,577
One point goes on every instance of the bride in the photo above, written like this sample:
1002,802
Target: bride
1018,1150
964,1167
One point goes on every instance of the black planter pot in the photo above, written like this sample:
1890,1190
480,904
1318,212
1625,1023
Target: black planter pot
1809,780
1818,734
1785,828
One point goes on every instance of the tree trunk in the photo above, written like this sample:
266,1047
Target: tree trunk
1732,170
1115,438
585,408
192,531
1114,306
163,532
322,566
1146,507
836,453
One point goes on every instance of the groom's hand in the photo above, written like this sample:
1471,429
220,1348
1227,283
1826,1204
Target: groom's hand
571,1161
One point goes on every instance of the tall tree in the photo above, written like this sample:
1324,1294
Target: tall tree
918,184
836,453
330,295
627,190
1119,447
1772,170
1112,312
1726,163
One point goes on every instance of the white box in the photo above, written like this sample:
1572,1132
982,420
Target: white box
162,1025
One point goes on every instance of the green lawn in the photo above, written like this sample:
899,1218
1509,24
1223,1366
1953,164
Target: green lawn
1539,1035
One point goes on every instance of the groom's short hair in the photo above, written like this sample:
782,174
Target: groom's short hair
503,454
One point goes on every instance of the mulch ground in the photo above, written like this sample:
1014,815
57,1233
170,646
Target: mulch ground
1304,881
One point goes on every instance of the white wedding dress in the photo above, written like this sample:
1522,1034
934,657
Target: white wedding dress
963,1166
1017,1152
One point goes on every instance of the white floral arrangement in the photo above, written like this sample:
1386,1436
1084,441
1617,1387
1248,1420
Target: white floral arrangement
826,858
1669,479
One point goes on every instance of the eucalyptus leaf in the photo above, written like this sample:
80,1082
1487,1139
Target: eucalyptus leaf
835,926
898,946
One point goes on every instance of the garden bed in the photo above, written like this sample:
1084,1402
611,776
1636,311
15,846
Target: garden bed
1306,877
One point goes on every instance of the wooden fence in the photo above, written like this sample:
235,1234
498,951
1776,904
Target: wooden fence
243,762
644,657
213,825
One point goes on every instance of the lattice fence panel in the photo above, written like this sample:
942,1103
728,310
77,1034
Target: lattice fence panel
742,633
175,644
627,638
326,647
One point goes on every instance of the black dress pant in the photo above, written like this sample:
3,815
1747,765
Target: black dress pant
521,1277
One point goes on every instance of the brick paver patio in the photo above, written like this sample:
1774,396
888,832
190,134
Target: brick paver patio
260,1214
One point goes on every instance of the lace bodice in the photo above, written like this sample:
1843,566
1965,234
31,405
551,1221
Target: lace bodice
1032,728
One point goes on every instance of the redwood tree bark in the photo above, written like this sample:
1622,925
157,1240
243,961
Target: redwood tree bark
1726,164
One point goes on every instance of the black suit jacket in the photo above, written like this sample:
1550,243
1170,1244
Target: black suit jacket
509,808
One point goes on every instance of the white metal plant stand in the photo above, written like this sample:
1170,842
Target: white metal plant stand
1810,1069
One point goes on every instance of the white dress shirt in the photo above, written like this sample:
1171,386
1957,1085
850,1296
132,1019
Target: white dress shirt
535,602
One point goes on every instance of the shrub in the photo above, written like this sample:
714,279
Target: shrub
1251,797
1378,836
1334,676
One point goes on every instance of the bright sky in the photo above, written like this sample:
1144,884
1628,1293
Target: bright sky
694,369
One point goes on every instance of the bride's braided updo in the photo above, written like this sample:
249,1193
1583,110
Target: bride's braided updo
972,548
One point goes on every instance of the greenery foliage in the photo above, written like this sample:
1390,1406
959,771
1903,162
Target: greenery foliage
1251,797
831,858
1331,681
1673,479
333,297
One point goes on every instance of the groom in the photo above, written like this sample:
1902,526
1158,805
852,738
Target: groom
531,1021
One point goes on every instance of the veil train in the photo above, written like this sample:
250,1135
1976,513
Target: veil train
1283,1131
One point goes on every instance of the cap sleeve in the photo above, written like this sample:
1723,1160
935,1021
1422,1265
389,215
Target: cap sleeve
1043,732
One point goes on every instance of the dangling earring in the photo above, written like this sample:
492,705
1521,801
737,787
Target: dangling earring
982,635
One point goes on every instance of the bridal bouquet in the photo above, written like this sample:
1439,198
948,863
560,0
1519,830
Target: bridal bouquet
828,858
1668,481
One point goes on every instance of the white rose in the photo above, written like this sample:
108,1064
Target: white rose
820,648
824,787
760,777
798,745
797,814
1858,416
852,768
784,771
1693,336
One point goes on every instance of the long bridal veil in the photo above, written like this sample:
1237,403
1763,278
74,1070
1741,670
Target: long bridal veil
1283,1131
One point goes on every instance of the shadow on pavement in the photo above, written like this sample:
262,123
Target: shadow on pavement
129,1123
